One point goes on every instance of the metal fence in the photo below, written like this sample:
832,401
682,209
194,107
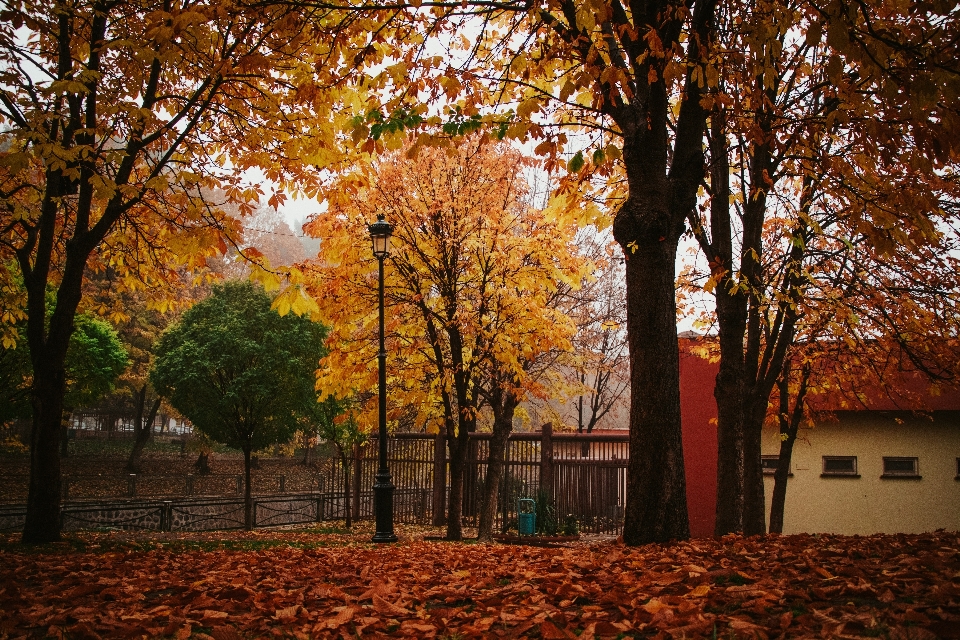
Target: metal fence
572,476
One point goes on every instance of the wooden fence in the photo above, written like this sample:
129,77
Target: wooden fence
579,475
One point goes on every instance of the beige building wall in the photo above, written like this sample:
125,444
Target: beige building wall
870,504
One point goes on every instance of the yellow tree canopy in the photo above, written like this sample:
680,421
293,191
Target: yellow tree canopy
467,282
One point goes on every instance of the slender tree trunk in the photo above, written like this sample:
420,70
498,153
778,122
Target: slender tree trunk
458,455
307,446
502,427
247,491
345,465
142,429
656,501
788,436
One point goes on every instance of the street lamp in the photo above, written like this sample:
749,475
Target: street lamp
383,483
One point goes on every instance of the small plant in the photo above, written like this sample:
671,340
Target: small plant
547,524
570,526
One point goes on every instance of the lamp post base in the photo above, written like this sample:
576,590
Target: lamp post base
383,507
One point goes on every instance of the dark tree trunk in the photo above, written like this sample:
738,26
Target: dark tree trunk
307,447
732,319
754,504
458,455
789,428
505,405
247,491
345,465
43,498
656,502
142,429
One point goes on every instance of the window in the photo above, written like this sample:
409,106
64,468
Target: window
900,467
769,464
840,466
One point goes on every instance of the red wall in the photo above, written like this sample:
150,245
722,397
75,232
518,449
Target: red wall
698,413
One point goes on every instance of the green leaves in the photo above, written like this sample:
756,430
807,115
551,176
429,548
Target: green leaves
239,371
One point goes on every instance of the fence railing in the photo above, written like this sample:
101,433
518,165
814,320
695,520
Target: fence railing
579,476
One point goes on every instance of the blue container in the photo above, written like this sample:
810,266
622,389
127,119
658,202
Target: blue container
526,516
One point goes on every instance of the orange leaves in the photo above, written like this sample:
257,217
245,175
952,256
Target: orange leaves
468,277
901,586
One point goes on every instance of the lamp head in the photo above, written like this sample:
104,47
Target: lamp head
380,232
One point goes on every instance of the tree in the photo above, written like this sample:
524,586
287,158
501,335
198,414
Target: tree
467,278
634,79
807,155
240,372
119,119
95,359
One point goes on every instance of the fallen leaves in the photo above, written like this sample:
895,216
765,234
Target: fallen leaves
133,586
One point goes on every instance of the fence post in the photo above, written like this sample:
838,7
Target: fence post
189,484
166,516
239,483
132,485
439,479
357,475
546,459
65,487
320,508
283,484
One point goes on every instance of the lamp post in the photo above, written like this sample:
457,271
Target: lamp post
383,483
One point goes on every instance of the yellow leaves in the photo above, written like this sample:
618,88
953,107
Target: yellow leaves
469,272
295,299
528,107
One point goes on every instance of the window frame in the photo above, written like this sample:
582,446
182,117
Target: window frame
911,475
769,471
855,473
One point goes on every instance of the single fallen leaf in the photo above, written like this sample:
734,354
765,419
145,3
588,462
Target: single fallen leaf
654,606
344,615
210,614
382,606
287,613
700,591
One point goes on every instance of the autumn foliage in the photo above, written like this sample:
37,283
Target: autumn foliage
310,585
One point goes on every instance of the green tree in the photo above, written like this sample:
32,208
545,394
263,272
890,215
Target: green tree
95,359
243,374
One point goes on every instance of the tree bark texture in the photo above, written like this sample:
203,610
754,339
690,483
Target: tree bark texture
247,491
345,465
505,404
458,454
142,429
789,427
656,502
43,498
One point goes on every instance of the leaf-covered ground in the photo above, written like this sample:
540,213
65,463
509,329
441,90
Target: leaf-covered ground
319,584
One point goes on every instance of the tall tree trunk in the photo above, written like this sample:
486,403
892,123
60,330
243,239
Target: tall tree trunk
754,503
345,465
142,429
307,446
789,427
247,491
505,405
458,455
731,318
656,501
43,498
